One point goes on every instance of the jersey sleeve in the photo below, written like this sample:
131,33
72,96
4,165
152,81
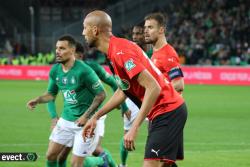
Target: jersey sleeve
174,70
52,87
51,107
131,65
93,83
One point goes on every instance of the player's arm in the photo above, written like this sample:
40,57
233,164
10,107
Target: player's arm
51,108
152,91
176,76
46,97
106,77
99,98
178,84
110,80
40,99
112,103
94,85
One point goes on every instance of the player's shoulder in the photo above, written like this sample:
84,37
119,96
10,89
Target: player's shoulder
55,67
83,67
91,63
170,49
80,64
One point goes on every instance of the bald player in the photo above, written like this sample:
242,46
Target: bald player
146,86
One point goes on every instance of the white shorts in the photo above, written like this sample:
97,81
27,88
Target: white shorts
134,111
101,129
69,134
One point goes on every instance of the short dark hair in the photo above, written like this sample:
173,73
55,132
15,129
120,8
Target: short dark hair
69,38
79,47
159,17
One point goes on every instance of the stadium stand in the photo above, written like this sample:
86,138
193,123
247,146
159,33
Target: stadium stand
214,32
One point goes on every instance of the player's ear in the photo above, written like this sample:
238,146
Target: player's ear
73,49
95,30
162,29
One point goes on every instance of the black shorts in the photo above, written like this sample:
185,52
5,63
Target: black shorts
165,136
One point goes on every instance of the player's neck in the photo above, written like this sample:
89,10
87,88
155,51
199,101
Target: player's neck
103,44
162,41
68,65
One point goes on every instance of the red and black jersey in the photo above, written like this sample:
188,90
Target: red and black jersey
128,60
167,60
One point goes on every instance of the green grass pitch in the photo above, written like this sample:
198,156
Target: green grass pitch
217,132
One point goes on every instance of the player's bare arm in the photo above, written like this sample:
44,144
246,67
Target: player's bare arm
113,102
178,84
40,99
97,101
152,91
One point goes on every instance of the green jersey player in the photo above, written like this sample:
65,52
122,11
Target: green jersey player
83,93
109,80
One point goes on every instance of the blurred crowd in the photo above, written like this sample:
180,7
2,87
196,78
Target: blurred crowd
213,32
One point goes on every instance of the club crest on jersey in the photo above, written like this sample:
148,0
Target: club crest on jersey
73,80
122,83
64,80
129,65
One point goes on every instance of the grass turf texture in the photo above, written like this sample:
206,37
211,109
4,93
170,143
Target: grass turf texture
216,133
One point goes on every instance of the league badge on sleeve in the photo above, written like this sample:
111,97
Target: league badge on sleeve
129,65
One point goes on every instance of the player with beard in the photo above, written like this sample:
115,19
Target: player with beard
138,38
164,55
83,93
146,86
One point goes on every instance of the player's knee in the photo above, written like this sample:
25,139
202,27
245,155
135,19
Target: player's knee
77,161
76,164
61,158
51,156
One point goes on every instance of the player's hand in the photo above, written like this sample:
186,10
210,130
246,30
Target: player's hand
88,129
32,104
53,123
127,114
129,139
81,121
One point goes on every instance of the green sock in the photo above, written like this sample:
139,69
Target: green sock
93,161
123,152
51,163
62,163
111,160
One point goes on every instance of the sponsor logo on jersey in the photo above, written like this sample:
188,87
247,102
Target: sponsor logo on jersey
171,59
96,85
70,96
129,65
120,53
122,83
